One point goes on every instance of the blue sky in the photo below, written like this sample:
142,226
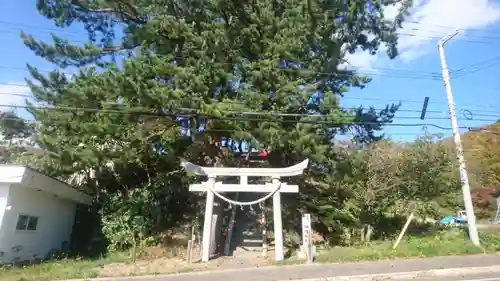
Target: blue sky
409,78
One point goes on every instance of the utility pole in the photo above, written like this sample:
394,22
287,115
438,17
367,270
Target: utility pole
464,179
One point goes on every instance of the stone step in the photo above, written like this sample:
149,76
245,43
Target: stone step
251,244
251,238
247,232
252,233
243,248
254,236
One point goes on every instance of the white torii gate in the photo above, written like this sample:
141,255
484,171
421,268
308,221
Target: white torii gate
273,189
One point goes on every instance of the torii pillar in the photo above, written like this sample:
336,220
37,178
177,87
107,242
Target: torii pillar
211,186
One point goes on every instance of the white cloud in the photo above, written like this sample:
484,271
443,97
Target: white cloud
361,61
430,20
13,94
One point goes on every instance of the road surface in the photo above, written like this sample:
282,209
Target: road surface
473,277
455,268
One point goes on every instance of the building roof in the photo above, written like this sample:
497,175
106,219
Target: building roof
31,178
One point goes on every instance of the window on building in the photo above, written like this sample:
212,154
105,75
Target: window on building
25,222
32,223
22,222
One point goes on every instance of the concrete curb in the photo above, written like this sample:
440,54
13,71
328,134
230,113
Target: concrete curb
410,274
361,277
189,273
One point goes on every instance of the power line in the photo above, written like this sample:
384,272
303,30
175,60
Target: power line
452,27
71,40
57,122
236,102
43,28
464,34
371,98
192,112
468,115
404,74
471,129
476,66
483,130
384,72
437,38
85,34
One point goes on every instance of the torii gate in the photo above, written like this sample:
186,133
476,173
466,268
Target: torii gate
273,189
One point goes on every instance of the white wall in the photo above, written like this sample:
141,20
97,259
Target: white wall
55,222
4,195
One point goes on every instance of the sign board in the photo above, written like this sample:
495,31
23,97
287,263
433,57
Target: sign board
307,237
306,229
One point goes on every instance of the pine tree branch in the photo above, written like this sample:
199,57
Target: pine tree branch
131,15
316,183
114,49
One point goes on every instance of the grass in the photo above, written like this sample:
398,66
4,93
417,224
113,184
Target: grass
441,243
59,269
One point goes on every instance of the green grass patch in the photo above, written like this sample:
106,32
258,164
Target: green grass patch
59,269
448,242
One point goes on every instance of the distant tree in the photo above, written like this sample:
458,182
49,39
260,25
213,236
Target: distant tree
14,127
483,155
374,187
14,133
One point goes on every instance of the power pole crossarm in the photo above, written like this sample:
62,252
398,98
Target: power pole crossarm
464,179
448,38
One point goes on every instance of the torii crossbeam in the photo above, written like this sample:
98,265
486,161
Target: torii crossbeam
212,188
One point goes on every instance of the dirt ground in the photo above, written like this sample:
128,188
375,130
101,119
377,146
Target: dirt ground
157,262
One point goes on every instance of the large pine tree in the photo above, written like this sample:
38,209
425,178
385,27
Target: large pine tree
227,71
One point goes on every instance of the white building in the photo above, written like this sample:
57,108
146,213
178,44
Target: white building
36,213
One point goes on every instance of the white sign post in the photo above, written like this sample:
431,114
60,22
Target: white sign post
274,190
307,246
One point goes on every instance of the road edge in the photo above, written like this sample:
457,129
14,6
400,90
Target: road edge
358,277
409,274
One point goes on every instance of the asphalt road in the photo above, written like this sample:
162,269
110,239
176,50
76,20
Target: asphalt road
474,277
242,276
460,268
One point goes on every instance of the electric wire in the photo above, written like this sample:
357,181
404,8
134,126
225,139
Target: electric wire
466,112
190,112
413,74
476,67
84,34
453,28
404,74
433,76
241,103
370,98
407,74
209,130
